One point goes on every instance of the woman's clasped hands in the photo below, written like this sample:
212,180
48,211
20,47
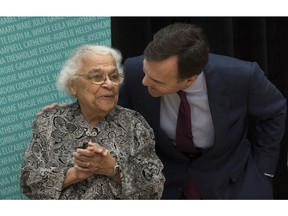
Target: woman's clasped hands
92,160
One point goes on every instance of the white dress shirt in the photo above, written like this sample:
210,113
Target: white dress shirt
201,120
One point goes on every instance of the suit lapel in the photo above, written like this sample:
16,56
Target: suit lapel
219,104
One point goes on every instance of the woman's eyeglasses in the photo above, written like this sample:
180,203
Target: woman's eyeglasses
100,78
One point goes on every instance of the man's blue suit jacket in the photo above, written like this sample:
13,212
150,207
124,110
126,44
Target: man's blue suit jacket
234,167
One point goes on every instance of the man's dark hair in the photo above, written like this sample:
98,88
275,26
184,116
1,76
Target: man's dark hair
186,41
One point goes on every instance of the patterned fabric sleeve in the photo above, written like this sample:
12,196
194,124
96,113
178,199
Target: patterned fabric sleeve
141,174
40,180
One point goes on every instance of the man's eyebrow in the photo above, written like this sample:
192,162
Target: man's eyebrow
157,81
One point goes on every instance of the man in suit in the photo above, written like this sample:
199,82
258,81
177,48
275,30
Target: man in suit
223,93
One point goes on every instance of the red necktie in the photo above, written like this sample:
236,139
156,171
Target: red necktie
184,140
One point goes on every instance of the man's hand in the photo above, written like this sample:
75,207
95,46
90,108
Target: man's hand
48,107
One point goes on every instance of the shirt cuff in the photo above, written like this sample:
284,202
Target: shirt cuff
269,175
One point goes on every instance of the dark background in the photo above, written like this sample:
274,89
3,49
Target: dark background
260,39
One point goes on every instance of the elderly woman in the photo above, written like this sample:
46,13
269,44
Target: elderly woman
93,148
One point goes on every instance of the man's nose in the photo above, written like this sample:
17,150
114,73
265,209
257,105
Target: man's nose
145,81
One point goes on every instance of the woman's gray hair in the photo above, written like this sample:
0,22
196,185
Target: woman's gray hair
72,65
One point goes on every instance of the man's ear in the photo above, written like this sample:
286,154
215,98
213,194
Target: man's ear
71,86
191,80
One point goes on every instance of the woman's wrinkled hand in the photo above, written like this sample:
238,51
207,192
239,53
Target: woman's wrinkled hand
95,159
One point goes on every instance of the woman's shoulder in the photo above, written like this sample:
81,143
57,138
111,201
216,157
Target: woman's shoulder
123,110
61,110
128,114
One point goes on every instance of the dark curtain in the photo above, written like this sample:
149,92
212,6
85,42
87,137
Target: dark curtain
260,39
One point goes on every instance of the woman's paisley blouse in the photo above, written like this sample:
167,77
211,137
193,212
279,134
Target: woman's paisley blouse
58,132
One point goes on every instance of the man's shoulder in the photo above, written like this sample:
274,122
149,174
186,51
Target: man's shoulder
218,58
134,60
134,65
222,63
